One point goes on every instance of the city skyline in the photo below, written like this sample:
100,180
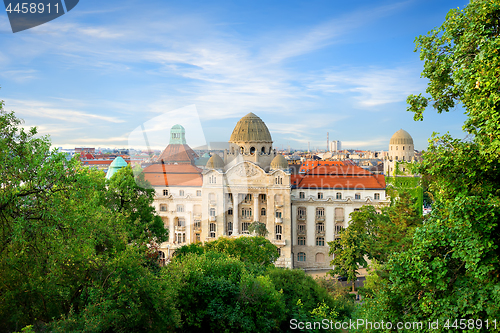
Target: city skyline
93,76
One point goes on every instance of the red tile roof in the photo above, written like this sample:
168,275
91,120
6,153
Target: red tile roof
336,176
173,175
178,153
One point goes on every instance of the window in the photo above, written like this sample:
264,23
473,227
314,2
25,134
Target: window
403,158
338,229
180,208
197,237
396,147
244,227
229,228
279,252
320,257
320,227
212,179
247,198
376,196
198,193
279,231
165,192
181,237
213,229
262,198
357,196
212,211
396,158
320,195
301,256
403,147
302,195
246,212
301,240
278,181
181,193
230,211
263,150
263,212
230,197
278,214
320,212
339,196
320,241
301,213
197,224
356,209
301,228
181,222
163,208
252,150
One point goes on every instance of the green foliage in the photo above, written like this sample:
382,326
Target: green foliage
304,298
258,228
453,268
133,196
411,185
348,252
216,293
65,248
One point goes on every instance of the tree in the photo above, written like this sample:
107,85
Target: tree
258,228
348,252
65,252
452,269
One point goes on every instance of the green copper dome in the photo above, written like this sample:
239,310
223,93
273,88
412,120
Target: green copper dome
116,165
177,135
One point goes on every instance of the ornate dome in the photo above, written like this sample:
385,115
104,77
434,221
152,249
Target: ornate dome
279,162
401,137
215,162
250,128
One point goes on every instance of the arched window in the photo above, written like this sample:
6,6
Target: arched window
242,150
301,240
263,212
357,196
301,256
229,228
279,231
339,196
320,257
320,241
263,150
252,150
181,222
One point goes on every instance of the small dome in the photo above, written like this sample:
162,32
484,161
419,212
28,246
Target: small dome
206,155
215,162
401,137
116,165
279,162
250,128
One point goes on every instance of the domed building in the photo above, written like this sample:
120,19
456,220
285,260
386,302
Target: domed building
252,141
401,149
251,182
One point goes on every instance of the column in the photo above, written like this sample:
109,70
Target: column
236,220
256,208
189,224
171,231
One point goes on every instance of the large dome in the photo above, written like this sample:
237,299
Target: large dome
401,137
250,128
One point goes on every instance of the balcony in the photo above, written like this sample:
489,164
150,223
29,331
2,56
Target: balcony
320,218
278,205
301,217
213,202
212,218
180,229
278,220
339,219
281,242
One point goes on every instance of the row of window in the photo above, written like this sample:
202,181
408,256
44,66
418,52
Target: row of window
338,195
181,193
403,147
320,228
320,241
320,257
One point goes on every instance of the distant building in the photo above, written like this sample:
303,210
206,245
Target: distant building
335,146
401,149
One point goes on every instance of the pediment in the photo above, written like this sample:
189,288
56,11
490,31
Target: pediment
245,170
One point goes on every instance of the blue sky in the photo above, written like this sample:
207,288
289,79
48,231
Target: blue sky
94,75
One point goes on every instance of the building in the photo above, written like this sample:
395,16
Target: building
251,182
335,146
401,149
